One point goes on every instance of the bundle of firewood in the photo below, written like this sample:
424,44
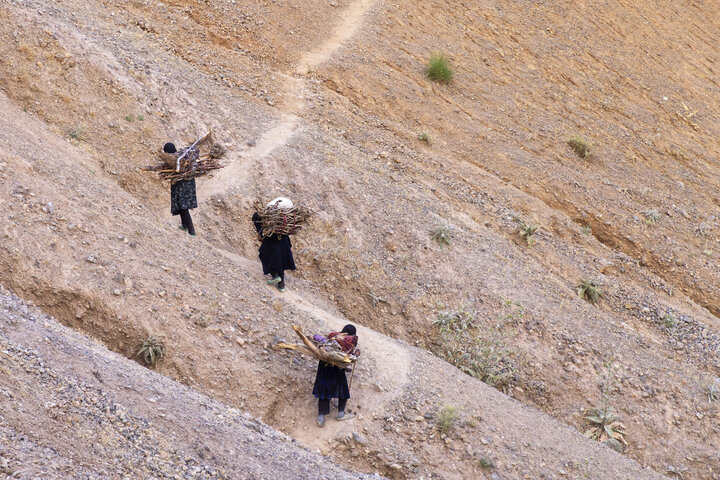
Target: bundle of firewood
327,351
188,170
188,162
282,221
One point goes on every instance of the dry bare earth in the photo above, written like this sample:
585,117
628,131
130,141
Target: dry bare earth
87,237
73,409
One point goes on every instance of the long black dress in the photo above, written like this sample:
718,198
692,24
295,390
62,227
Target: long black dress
275,251
330,382
182,196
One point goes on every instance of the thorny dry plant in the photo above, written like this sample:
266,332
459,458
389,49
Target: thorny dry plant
686,115
589,290
151,351
605,425
441,235
527,231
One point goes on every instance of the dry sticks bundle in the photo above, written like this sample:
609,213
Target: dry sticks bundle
282,221
326,351
198,168
188,163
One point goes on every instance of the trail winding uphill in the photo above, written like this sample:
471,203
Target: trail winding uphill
324,102
292,93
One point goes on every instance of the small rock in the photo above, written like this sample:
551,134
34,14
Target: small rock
359,438
614,444
117,292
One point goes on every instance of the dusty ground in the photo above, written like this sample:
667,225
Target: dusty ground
72,409
330,113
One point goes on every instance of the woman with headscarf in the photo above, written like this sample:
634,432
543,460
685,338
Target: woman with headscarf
183,196
275,250
331,381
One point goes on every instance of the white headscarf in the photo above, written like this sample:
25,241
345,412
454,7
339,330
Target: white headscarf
282,203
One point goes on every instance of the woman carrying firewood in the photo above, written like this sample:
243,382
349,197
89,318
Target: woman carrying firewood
331,381
182,192
275,248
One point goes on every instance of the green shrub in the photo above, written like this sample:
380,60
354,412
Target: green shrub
581,146
484,355
438,69
651,217
76,133
453,320
424,137
527,231
486,463
669,321
713,392
446,418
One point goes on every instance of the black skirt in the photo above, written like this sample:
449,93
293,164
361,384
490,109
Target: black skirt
276,254
275,251
182,196
330,382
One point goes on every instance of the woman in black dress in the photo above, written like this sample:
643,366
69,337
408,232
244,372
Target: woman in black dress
182,192
275,254
331,381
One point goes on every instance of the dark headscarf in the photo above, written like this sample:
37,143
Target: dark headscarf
349,329
169,148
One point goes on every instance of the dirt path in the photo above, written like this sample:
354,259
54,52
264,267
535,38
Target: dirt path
391,361
293,93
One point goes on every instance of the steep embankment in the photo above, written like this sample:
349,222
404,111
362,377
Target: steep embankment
329,112
72,409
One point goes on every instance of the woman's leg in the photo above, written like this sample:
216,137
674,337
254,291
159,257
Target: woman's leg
323,409
187,221
281,285
341,415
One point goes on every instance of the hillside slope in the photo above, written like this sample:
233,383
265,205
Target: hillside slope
330,114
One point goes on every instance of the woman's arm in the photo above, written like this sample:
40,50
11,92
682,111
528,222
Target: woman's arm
257,222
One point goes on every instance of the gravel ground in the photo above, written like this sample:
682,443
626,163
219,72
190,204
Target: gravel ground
72,409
